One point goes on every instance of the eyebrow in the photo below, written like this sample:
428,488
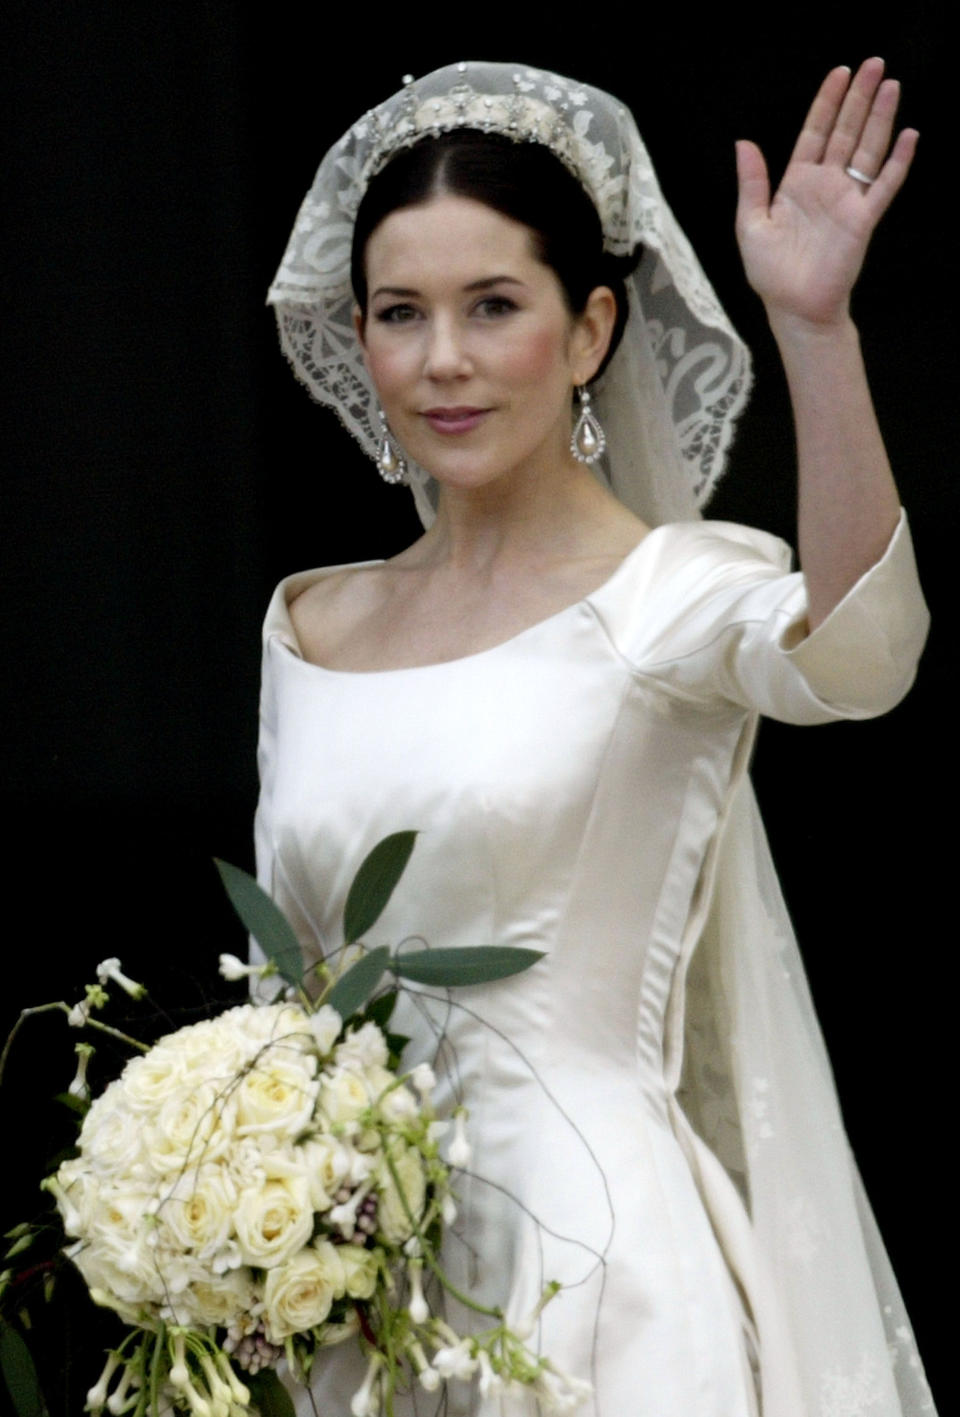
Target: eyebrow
405,292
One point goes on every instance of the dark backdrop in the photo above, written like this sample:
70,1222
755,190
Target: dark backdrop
162,470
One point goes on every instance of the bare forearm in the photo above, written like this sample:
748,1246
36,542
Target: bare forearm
848,502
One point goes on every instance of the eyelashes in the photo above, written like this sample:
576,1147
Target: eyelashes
490,307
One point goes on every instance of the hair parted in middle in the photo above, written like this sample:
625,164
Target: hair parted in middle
523,181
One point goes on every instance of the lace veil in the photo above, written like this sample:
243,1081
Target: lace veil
756,1109
670,396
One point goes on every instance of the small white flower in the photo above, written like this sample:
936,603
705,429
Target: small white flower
559,1392
78,1015
456,1361
448,1209
97,1395
110,969
80,1087
460,1151
363,1403
423,1078
232,969
95,998
325,1025
489,1381
418,1307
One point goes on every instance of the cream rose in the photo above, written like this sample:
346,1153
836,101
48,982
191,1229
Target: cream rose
286,1025
116,1254
111,1137
343,1097
277,1094
360,1270
221,1302
327,1162
395,1101
393,1221
298,1295
365,1047
150,1080
273,1221
193,1126
198,1213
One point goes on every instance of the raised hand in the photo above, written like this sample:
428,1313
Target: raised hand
803,250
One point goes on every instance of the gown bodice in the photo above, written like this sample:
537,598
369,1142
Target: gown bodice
569,789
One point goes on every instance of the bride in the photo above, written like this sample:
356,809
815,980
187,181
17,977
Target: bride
558,686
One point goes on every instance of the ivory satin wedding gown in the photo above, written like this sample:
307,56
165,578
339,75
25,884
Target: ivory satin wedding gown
570,788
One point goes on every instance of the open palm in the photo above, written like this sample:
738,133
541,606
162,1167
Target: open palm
803,250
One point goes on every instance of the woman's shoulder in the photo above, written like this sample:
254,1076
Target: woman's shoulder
720,543
323,594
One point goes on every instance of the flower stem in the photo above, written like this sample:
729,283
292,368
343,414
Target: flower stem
64,1008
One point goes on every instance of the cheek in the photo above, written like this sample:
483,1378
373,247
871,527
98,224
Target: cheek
539,356
390,368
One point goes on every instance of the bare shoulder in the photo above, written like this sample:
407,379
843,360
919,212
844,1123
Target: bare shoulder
329,611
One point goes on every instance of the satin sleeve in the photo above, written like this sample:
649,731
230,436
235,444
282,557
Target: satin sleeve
719,618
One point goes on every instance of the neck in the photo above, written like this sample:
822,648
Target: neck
542,515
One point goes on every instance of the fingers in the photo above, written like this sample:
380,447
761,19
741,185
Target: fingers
865,122
894,171
850,122
822,116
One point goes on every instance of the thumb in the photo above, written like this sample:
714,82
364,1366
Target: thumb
752,181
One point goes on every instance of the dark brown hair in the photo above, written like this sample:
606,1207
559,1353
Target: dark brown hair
521,180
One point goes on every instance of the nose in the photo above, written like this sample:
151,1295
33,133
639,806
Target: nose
446,355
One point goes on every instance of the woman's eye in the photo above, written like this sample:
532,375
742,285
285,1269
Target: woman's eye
396,314
494,305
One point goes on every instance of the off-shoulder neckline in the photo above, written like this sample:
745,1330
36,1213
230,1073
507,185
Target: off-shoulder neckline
307,578
304,579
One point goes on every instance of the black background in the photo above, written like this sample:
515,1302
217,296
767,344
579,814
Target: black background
162,470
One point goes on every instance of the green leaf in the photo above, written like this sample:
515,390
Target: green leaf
374,883
353,989
20,1374
266,922
473,964
378,1010
396,1042
18,1247
270,1397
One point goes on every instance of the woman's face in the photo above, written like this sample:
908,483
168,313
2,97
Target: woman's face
470,344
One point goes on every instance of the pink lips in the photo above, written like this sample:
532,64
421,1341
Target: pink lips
454,420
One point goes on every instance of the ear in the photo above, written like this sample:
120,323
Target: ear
360,326
592,334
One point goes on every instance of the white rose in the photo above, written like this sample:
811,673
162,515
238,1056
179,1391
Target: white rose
116,1253
325,1025
111,1138
343,1097
277,1094
281,1024
220,1301
75,1189
365,1047
298,1295
198,1211
327,1162
193,1126
393,1221
395,1101
150,1080
360,1270
226,1051
273,1221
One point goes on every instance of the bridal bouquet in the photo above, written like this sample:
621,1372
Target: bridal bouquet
261,1185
